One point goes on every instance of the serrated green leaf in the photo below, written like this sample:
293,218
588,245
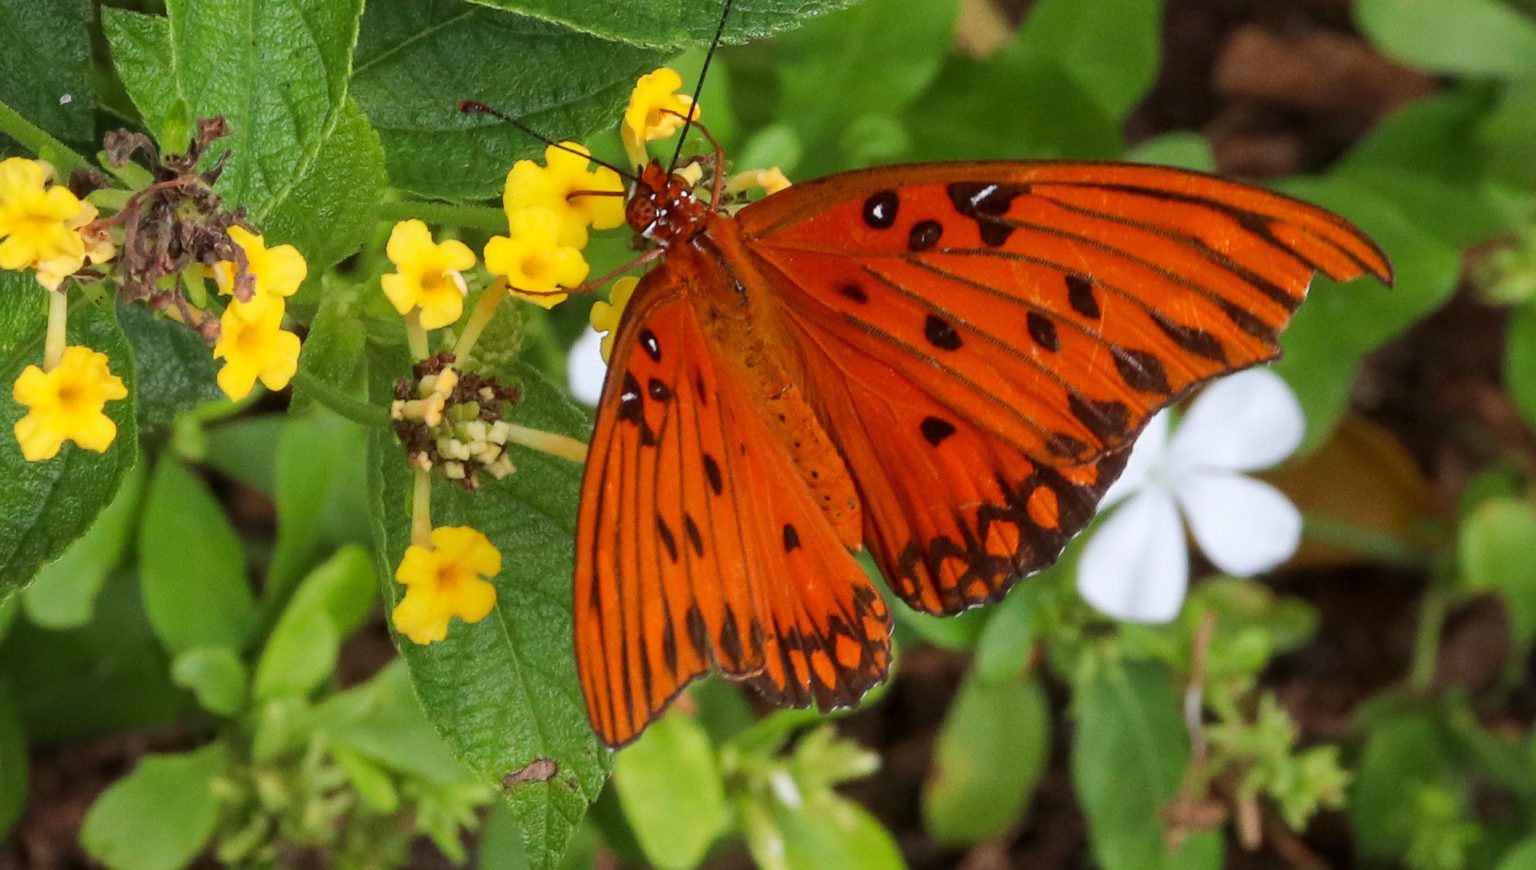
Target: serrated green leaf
672,23
191,565
1111,49
215,675
1460,37
277,71
1127,762
64,594
331,209
504,692
669,784
45,66
988,760
159,816
416,61
141,53
44,506
174,367
13,762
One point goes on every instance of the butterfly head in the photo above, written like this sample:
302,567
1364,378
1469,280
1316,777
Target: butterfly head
663,208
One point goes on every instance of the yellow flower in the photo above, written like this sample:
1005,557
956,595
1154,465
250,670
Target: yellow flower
650,115
605,316
533,260
771,180
552,187
428,275
38,222
96,248
277,272
65,404
446,580
254,345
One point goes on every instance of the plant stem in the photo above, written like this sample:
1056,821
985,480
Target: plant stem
554,444
37,140
479,319
56,338
338,402
480,217
421,507
1364,542
416,336
1426,644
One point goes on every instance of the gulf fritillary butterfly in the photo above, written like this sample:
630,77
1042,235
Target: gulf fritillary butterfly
944,362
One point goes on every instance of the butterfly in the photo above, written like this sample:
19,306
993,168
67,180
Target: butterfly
943,363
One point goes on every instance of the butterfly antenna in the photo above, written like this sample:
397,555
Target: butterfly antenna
698,87
477,107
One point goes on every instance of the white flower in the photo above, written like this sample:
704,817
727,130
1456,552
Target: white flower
1136,565
585,368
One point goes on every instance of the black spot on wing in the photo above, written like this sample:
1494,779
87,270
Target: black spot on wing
1043,331
880,209
1106,420
935,430
712,473
941,333
791,538
854,292
1142,371
924,235
1081,297
651,345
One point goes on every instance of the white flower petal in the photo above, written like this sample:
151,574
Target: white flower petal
586,369
1245,422
1147,454
1244,526
1136,566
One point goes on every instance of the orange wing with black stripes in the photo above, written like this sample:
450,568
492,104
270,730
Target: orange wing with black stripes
697,545
986,339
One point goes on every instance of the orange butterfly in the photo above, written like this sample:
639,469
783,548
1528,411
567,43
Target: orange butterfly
944,362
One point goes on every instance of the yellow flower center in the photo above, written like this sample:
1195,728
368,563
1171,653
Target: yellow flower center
536,263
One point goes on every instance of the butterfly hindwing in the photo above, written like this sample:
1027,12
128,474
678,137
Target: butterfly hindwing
980,332
698,548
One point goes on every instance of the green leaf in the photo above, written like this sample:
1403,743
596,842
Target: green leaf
989,757
669,785
159,816
1127,761
332,206
831,833
1497,551
1461,37
1008,639
416,61
1183,149
1520,361
672,23
334,346
44,506
141,53
45,66
504,692
13,762
371,781
277,71
330,604
108,677
215,675
174,368
64,594
191,565
1521,857
1403,755
839,73
1111,49
382,721
310,454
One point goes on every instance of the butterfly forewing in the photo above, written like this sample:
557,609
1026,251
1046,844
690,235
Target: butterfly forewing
986,339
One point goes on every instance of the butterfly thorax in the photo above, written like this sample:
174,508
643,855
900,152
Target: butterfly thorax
663,209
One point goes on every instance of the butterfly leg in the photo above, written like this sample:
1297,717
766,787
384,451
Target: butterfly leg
598,282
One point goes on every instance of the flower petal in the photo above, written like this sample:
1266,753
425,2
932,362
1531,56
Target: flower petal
1244,526
1136,566
1244,422
586,368
1147,454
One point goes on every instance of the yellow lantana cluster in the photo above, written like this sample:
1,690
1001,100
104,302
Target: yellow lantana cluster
252,342
47,229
